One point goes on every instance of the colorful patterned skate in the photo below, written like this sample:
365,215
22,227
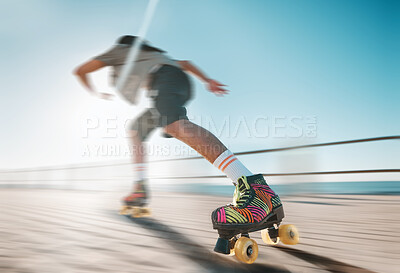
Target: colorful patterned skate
136,201
255,207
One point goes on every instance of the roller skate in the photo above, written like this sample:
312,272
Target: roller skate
134,203
255,207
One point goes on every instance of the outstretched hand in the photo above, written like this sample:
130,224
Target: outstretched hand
216,87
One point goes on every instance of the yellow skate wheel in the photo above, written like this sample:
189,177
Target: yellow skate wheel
145,212
268,240
125,210
246,250
136,212
288,234
140,212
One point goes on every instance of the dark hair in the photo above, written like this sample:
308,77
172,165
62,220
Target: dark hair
130,40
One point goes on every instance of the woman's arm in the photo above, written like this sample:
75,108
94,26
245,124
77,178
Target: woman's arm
212,85
82,73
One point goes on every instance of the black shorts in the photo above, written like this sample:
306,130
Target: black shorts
170,90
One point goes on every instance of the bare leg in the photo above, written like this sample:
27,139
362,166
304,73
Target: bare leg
137,147
200,139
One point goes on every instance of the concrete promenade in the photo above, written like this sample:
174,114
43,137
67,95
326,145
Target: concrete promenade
80,231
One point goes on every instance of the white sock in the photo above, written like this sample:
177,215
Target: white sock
140,170
228,163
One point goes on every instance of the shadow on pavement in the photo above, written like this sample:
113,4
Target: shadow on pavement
199,254
323,262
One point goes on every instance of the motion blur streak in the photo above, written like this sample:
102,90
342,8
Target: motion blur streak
67,219
133,53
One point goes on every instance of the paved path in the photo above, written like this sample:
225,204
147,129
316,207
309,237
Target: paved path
80,231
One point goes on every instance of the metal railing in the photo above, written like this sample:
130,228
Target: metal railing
364,140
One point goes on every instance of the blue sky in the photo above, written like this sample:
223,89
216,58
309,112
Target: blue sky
336,61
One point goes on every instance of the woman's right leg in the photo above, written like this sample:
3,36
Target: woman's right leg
254,202
209,146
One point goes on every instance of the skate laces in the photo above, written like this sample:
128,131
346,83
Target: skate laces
236,196
242,192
